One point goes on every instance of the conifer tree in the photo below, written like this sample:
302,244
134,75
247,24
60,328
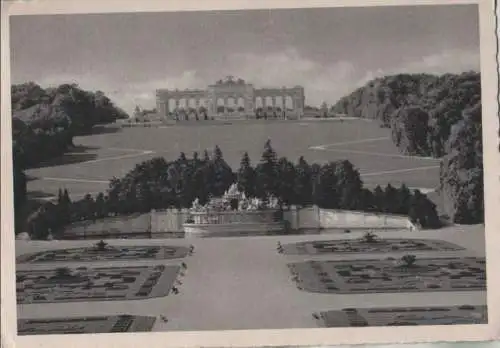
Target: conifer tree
246,176
379,199
220,174
206,156
303,183
100,206
404,196
286,181
267,173
390,199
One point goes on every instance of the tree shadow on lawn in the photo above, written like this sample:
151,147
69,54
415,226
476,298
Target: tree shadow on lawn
37,195
102,129
77,154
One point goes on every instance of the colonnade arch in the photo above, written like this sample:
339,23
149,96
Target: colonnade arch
259,103
240,102
231,96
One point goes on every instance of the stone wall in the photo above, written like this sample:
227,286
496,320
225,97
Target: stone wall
133,224
351,219
173,220
235,217
317,218
168,220
224,230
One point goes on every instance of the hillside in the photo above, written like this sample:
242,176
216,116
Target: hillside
438,116
44,122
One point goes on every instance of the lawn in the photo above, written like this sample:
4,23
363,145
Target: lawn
114,153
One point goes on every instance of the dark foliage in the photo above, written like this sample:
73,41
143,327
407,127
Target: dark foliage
158,184
462,169
44,121
438,116
246,177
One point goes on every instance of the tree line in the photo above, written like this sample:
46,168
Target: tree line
437,116
160,184
44,122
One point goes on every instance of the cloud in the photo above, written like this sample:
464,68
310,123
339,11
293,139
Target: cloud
449,61
446,61
127,94
288,68
322,82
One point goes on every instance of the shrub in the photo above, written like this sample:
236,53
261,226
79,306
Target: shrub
370,237
408,260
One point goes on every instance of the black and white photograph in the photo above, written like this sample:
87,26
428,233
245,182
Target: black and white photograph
249,169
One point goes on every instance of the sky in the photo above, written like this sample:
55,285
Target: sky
328,51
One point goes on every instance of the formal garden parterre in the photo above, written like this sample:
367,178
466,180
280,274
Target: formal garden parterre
95,283
85,325
370,243
103,252
408,274
407,316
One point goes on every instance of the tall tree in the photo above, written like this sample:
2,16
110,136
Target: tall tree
390,199
303,183
349,185
366,200
20,192
410,130
64,206
222,174
88,208
201,186
217,153
423,211
100,206
462,169
379,199
326,193
182,158
403,201
267,173
206,156
286,181
246,176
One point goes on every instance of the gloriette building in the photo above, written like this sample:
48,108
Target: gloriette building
231,99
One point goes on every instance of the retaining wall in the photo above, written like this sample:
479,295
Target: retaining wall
132,224
174,220
317,218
